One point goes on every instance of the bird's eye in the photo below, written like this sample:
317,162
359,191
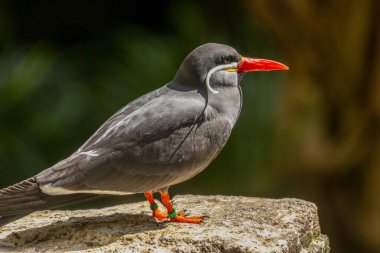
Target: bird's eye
226,60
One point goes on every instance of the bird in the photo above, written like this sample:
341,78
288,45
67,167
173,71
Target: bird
160,139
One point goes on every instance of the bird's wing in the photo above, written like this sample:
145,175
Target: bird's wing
122,114
119,156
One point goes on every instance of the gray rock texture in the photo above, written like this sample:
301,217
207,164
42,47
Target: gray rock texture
235,224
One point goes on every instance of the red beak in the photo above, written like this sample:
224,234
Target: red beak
251,64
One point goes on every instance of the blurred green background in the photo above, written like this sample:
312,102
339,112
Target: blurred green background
312,132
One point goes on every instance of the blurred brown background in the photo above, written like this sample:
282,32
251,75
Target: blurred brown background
311,133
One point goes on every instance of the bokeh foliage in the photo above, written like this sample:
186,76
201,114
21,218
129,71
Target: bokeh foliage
311,133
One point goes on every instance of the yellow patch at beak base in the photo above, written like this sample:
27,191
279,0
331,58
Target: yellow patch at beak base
231,69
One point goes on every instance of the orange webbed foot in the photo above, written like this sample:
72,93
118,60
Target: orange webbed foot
172,214
160,215
188,219
181,216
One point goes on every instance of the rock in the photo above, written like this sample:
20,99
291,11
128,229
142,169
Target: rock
235,224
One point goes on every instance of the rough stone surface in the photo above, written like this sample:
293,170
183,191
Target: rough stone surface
235,224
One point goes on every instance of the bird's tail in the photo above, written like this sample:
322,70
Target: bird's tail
26,197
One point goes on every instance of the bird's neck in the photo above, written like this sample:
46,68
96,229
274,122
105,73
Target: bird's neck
188,75
226,103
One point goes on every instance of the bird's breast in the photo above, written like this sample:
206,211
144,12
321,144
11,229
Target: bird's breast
183,153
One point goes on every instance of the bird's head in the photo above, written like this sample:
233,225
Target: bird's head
218,66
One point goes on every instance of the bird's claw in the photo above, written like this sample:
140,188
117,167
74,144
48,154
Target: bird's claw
182,216
188,219
160,215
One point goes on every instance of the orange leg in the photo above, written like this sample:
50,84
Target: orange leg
157,213
178,216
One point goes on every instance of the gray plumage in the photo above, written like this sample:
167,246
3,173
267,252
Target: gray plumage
162,138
